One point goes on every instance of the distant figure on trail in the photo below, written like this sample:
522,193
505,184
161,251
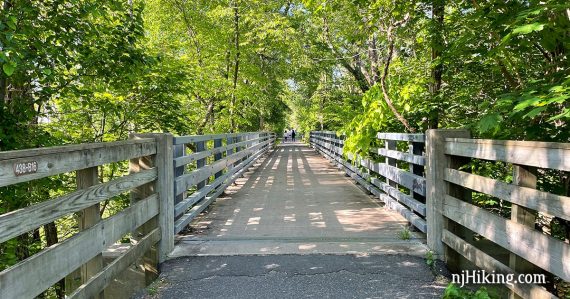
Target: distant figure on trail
293,133
285,135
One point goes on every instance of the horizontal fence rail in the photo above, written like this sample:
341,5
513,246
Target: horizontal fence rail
394,176
32,276
206,165
454,220
164,177
439,201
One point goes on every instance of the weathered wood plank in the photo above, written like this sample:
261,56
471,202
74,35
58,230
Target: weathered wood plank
328,147
182,206
116,267
417,149
552,204
229,178
538,154
179,151
165,191
435,185
407,157
523,176
391,145
544,251
192,178
405,199
198,138
402,137
414,219
411,181
330,140
488,263
218,156
54,263
201,146
360,177
69,160
151,258
42,151
181,161
20,221
89,217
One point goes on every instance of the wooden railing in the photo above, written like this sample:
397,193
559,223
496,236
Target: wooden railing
148,220
35,274
214,163
453,220
383,173
456,229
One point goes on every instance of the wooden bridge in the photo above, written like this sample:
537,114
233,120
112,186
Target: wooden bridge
291,203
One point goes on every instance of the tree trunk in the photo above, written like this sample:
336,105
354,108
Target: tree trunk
52,239
236,67
438,10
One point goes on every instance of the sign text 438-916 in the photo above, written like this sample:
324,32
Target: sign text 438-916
23,168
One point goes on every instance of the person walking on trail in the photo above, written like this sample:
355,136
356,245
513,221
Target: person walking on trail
293,133
285,135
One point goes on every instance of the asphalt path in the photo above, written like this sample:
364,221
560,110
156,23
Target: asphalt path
296,276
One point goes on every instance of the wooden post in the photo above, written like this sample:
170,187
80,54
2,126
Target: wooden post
150,261
523,176
88,217
391,145
218,156
436,187
239,148
179,151
165,188
200,147
417,148
229,152
454,260
246,139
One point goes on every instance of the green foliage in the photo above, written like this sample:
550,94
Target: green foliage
505,71
454,292
430,259
92,71
405,234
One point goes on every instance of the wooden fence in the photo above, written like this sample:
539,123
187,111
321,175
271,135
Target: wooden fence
148,220
232,153
395,177
453,220
440,204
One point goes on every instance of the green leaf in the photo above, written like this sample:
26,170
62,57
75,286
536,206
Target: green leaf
9,68
565,114
490,121
526,29
533,101
11,22
534,112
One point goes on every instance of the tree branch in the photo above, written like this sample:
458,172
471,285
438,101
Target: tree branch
386,71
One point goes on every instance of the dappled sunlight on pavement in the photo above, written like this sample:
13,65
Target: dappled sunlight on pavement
294,201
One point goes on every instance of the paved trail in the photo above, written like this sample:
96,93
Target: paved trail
294,227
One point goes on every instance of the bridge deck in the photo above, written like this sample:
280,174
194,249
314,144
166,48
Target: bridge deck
295,227
296,202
